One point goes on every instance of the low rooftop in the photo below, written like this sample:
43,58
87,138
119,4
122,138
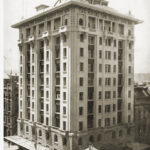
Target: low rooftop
82,3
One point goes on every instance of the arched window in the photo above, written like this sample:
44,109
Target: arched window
64,141
80,141
40,133
113,134
91,139
55,138
27,129
120,132
81,22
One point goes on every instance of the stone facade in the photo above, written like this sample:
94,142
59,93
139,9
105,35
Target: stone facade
76,76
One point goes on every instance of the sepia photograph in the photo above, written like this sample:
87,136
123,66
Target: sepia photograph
76,75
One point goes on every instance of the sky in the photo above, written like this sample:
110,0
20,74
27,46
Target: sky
14,10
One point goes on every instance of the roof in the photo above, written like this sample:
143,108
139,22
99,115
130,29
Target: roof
80,3
22,142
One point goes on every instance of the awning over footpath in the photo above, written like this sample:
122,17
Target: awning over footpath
24,143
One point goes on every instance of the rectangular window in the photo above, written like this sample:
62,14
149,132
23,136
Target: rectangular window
107,81
100,53
114,120
32,69
129,106
81,67
80,111
129,94
47,81
64,67
65,52
64,110
114,81
33,82
81,52
32,93
32,105
32,57
81,81
100,95
100,67
100,41
114,68
81,96
64,125
130,57
107,108
64,81
114,94
47,94
129,118
129,81
107,122
80,126
64,95
114,107
47,107
100,81
47,55
99,122
129,69
81,37
107,94
99,109
47,68
47,120
115,56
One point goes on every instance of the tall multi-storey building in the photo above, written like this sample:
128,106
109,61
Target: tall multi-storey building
10,105
76,75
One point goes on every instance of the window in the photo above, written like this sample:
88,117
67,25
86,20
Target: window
81,66
129,94
100,41
115,43
32,69
100,95
81,22
32,105
129,118
32,81
32,93
40,133
130,57
65,52
114,81
64,81
47,120
81,52
114,120
129,81
64,38
47,107
64,141
47,81
80,111
107,81
100,81
99,109
128,131
108,55
64,67
32,118
100,67
100,53
129,69
47,68
129,106
47,94
64,110
64,95
81,37
107,94
80,141
99,137
32,57
91,139
99,122
107,108
113,135
114,107
81,82
81,96
121,29
64,125
80,126
55,138
27,129
47,55
107,68
66,21
115,56
114,68
20,59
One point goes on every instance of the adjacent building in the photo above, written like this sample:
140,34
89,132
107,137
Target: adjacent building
142,114
76,75
10,105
